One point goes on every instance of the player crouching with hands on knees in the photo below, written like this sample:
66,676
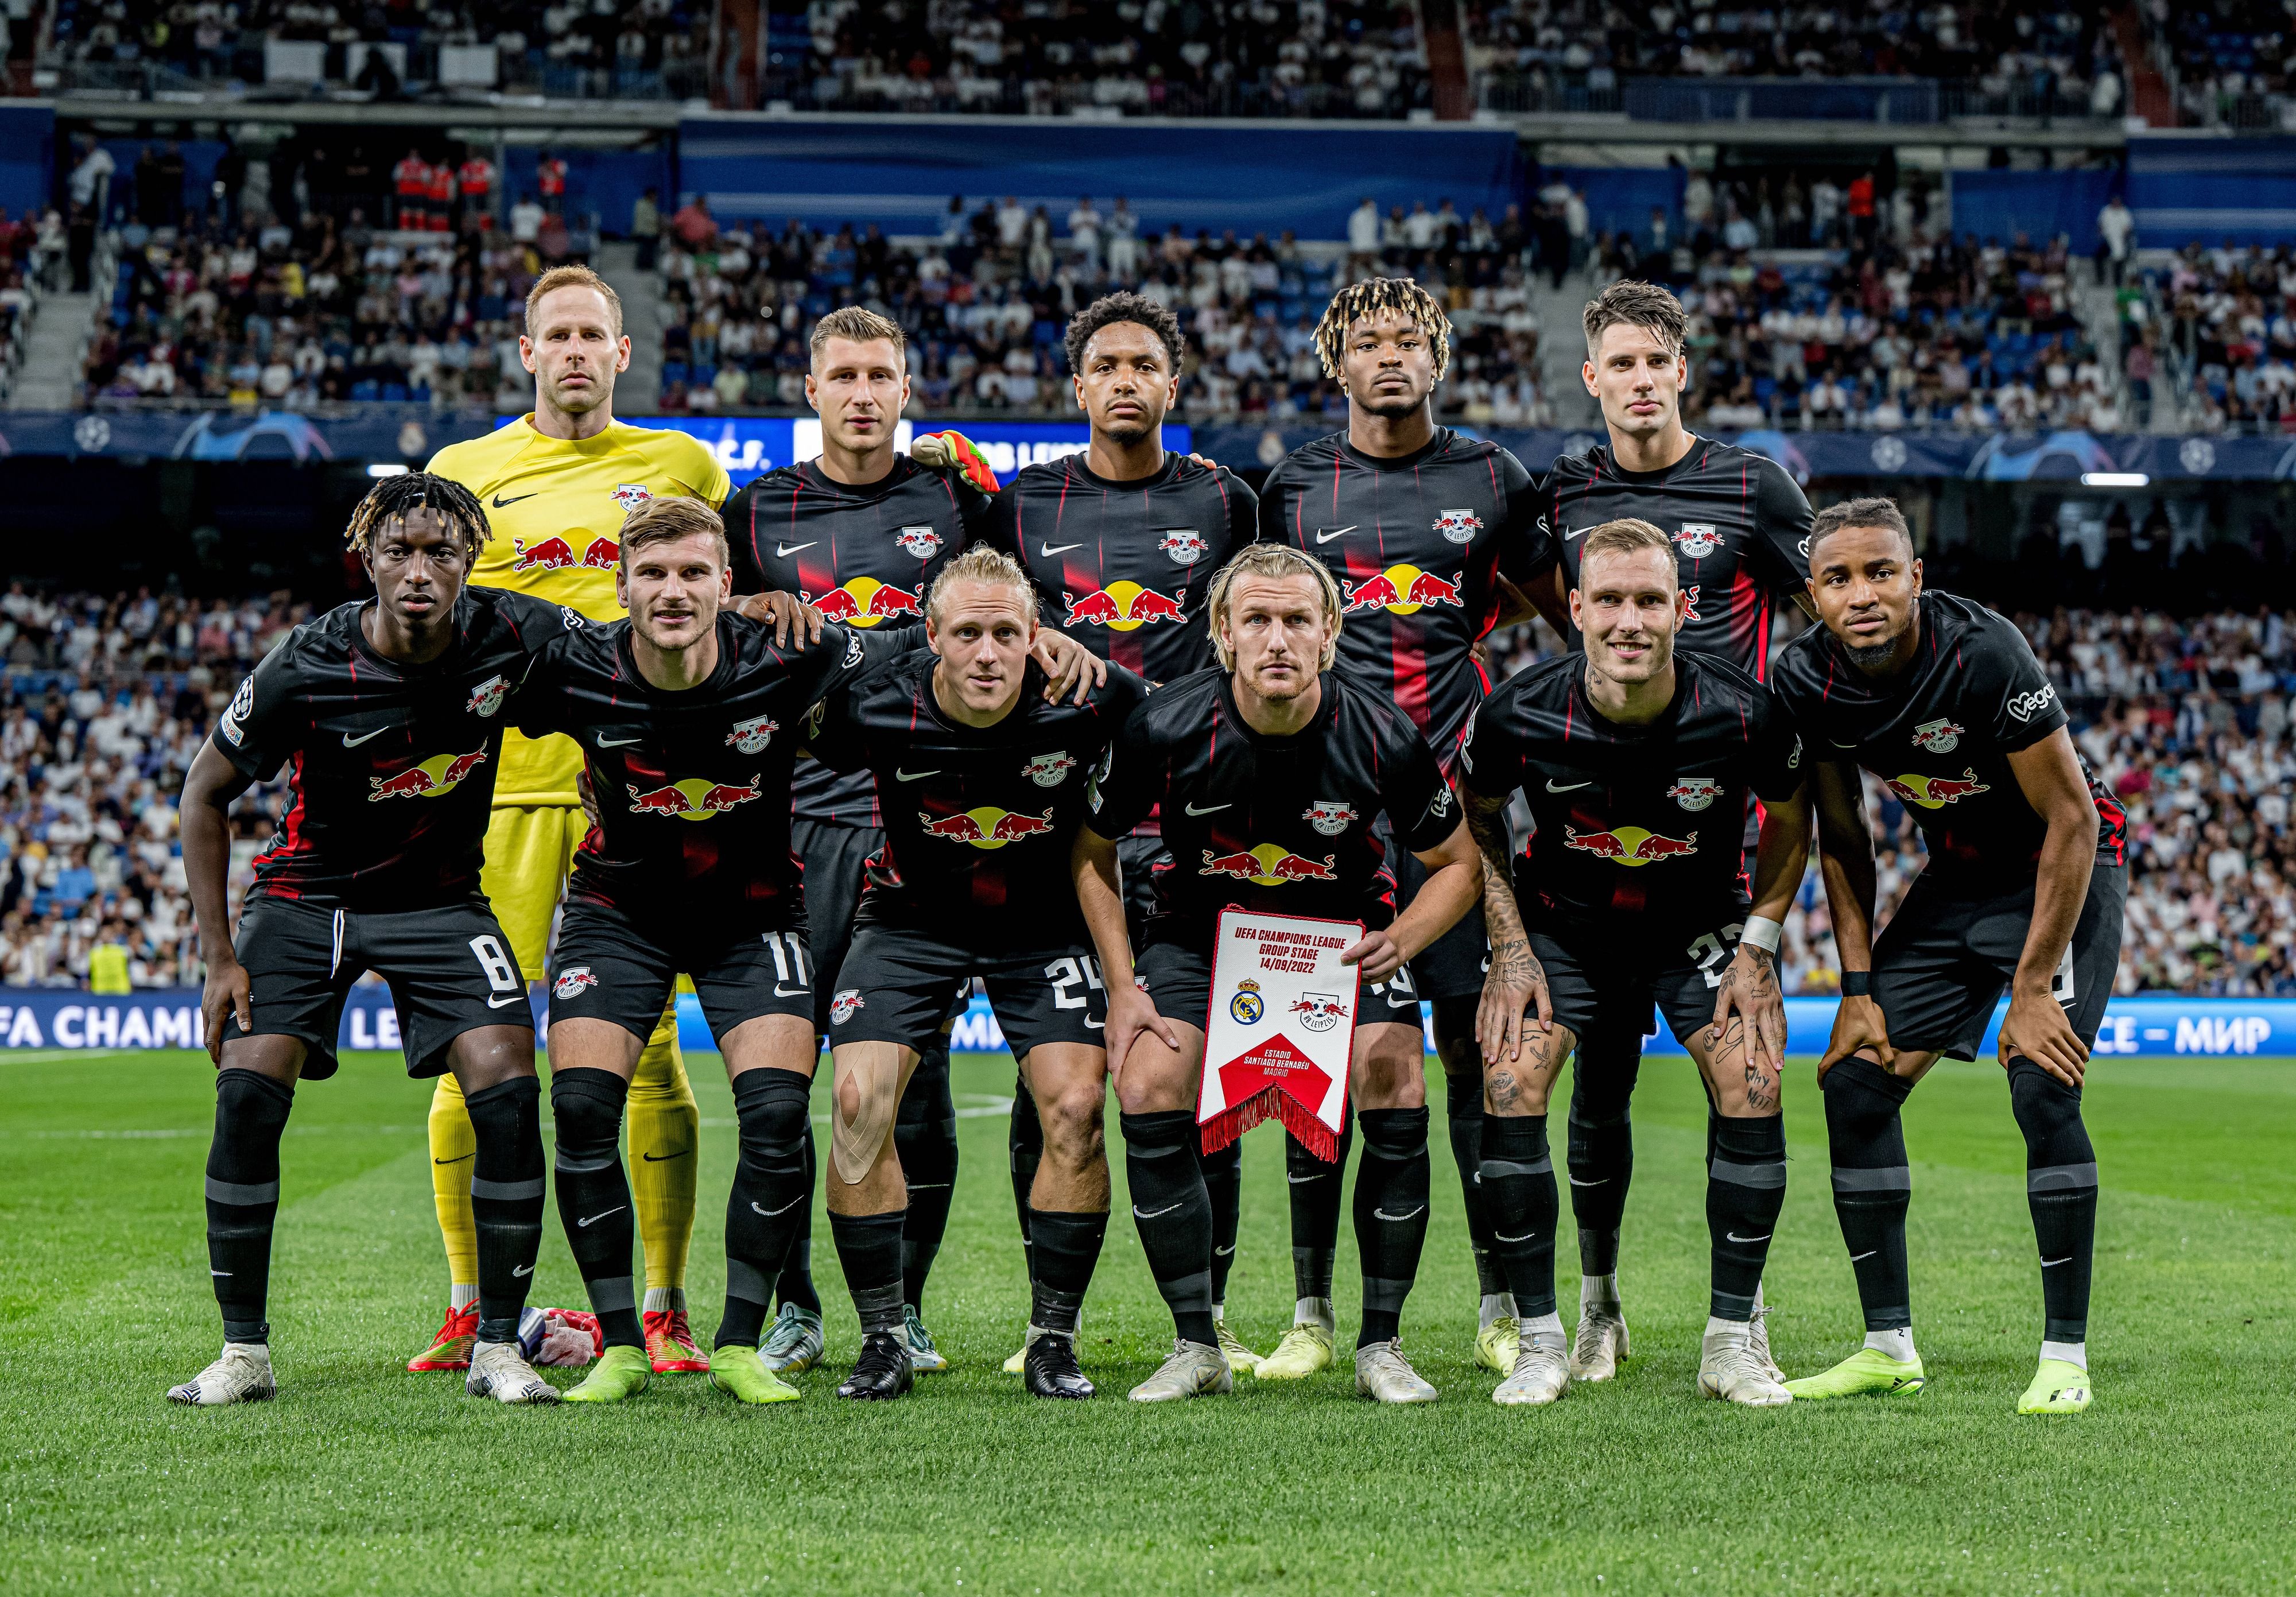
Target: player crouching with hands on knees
1272,775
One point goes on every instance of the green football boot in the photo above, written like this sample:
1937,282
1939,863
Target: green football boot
2058,1389
1867,1372
740,1373
620,1372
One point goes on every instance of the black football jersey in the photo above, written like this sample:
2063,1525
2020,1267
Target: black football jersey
978,820
1739,522
390,766
692,787
1939,734
1633,822
1285,825
1416,543
1123,567
865,555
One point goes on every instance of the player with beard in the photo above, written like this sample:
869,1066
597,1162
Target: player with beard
859,533
1122,543
557,484
980,781
400,697
2024,885
1284,786
688,718
1737,521
1628,754
1427,531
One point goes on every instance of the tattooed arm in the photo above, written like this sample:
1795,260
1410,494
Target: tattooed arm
1750,1012
1516,981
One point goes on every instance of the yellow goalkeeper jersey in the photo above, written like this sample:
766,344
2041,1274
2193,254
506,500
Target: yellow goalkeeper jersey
556,507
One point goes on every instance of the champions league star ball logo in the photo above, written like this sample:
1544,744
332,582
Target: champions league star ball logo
572,981
1329,817
1247,1006
488,696
752,735
1694,793
1184,545
923,541
1940,736
841,1007
1319,1012
629,495
1459,525
1698,540
1050,770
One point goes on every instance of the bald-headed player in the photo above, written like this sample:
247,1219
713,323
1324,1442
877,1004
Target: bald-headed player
557,484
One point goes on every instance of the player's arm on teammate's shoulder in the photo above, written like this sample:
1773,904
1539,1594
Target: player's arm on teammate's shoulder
794,622
1845,861
1527,551
2049,774
209,786
1097,875
1071,669
1782,524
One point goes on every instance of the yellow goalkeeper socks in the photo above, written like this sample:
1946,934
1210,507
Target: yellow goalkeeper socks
453,1145
665,1133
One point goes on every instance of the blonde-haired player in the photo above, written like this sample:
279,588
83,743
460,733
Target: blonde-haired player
557,484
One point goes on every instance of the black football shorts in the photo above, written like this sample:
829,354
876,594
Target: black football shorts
1454,964
610,965
1606,978
449,970
1945,959
899,981
836,860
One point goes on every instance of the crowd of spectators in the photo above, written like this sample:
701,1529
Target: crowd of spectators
985,300
2225,318
104,703
1322,58
2230,61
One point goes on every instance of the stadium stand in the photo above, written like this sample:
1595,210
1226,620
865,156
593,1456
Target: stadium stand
2224,322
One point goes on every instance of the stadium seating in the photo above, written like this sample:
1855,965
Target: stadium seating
2225,322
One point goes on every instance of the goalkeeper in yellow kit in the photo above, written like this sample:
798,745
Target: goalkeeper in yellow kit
556,485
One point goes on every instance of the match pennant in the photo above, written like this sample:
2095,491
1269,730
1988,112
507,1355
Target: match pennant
1283,1022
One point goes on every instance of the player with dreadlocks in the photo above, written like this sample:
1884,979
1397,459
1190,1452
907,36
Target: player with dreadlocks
1428,532
389,714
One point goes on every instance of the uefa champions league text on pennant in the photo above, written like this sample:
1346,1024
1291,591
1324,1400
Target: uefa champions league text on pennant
1283,1023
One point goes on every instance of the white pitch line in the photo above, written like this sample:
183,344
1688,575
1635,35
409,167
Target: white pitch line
50,1056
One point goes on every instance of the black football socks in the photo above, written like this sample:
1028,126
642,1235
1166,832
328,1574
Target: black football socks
243,1198
1393,1181
506,1199
1174,1215
594,1195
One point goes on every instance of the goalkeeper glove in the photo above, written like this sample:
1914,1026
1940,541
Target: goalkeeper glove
954,452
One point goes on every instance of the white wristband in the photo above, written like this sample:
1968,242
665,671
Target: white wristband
1763,933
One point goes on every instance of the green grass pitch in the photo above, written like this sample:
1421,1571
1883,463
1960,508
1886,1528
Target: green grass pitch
361,1476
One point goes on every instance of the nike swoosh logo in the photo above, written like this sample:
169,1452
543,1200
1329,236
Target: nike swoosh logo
506,998
2048,1264
1339,532
366,737
1734,1237
1223,1252
1525,1237
503,503
1093,1024
1049,549
1300,1181
782,992
1565,787
786,550
454,1161
522,1270
1869,1253
769,1213
1158,1214
914,775
1841,745
607,742
1380,1214
1574,1182
658,1158
1208,808
1568,534
617,1210
221,1273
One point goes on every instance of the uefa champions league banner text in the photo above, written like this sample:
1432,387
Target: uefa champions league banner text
2150,1026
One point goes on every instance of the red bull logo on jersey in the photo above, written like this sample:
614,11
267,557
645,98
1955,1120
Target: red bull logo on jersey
864,602
572,980
1124,607
1459,525
1629,845
1404,590
1050,770
603,554
440,773
1940,736
1935,792
1694,793
1268,865
629,495
1184,545
1698,540
986,827
694,799
488,696
752,735
921,542
1319,1011
1329,817
551,554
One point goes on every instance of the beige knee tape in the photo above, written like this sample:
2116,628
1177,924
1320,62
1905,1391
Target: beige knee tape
855,1140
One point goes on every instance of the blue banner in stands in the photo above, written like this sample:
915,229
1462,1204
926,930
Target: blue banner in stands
2148,1025
1999,206
27,158
899,172
2211,191
749,447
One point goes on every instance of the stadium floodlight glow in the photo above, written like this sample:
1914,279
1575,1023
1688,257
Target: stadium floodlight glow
380,470
2114,479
